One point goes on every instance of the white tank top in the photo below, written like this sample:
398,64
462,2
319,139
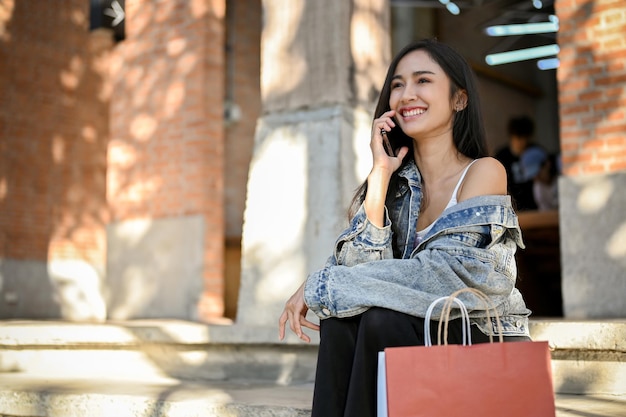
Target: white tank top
421,234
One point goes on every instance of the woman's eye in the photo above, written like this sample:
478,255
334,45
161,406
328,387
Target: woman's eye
396,85
423,80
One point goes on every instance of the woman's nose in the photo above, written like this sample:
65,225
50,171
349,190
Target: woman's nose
409,94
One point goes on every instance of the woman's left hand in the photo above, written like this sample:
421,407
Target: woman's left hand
295,313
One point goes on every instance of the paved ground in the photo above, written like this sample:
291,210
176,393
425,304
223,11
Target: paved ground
54,396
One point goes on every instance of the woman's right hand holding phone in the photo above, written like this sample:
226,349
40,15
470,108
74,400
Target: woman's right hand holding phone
384,165
382,151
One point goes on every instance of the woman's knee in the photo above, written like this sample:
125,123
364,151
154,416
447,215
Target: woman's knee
384,321
335,327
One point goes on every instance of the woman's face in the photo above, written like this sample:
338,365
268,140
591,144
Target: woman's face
420,95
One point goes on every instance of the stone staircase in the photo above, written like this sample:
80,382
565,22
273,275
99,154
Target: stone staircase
169,368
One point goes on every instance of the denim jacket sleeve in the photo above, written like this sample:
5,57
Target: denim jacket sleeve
478,256
363,242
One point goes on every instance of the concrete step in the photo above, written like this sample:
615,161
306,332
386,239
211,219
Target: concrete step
31,396
52,396
588,357
168,368
154,349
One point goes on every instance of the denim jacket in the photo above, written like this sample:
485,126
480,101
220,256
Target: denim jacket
472,244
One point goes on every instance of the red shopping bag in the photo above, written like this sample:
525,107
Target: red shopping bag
484,380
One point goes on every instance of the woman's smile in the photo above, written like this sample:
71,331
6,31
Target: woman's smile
410,112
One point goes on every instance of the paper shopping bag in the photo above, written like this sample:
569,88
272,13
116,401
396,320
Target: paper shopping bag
484,380
487,380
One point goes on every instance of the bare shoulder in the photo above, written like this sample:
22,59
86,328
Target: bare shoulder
486,176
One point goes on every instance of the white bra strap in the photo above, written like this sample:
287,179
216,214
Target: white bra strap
458,184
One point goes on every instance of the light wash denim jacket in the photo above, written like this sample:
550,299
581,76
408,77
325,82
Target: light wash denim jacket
472,244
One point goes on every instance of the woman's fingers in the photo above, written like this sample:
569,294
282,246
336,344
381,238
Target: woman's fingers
281,325
295,313
384,122
306,323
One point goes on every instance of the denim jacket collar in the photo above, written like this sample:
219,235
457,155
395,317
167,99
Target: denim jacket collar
495,210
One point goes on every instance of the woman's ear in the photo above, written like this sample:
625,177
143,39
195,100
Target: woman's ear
460,100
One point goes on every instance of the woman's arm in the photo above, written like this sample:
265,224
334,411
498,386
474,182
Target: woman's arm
382,168
477,252
405,285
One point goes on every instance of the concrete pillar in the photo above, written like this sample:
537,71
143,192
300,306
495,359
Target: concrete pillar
592,91
323,63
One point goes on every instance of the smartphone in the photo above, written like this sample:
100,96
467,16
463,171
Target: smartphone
386,143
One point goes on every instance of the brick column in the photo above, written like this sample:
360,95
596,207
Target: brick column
592,99
322,65
53,139
165,162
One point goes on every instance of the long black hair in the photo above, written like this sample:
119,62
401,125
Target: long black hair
468,132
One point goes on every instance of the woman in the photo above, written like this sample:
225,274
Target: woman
431,219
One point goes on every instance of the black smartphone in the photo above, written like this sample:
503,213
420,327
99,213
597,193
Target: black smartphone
386,143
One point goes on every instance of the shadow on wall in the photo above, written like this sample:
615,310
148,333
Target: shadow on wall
60,172
54,121
164,153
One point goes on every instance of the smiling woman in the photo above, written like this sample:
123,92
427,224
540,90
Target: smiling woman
433,217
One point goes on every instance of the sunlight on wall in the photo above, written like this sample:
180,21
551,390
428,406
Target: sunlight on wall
280,212
78,17
186,63
176,46
139,290
58,149
616,246
283,69
89,134
199,8
134,231
142,127
149,84
360,143
174,97
134,75
78,289
140,191
594,195
371,51
4,188
6,13
121,154
71,77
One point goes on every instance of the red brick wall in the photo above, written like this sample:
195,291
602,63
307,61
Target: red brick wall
53,131
166,153
592,85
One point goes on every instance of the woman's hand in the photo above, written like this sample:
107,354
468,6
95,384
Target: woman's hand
384,166
295,313
381,159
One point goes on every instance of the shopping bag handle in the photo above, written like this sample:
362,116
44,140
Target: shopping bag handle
466,325
467,336
489,307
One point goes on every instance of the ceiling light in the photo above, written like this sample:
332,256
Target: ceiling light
522,54
524,28
548,64
451,6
